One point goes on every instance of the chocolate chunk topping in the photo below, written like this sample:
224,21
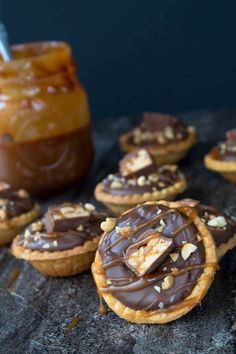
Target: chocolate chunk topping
148,253
174,276
71,230
157,121
222,227
158,129
136,164
67,217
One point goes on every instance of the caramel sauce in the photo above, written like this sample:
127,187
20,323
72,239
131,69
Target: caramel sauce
73,323
102,308
47,165
12,279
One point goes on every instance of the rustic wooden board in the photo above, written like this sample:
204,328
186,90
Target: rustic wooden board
36,315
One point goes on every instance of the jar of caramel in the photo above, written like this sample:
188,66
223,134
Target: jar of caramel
45,134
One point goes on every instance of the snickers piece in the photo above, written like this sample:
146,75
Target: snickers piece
136,164
157,122
231,135
61,218
148,253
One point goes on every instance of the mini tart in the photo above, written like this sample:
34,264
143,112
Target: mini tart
163,299
221,226
222,158
63,242
120,203
16,211
164,146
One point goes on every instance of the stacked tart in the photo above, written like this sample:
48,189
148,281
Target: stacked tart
139,180
222,158
16,210
63,242
155,262
166,137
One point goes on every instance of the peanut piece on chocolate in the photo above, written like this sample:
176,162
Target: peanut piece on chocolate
167,282
135,163
187,249
108,225
148,252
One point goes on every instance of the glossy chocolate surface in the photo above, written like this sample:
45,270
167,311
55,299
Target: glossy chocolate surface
158,129
139,293
14,202
36,236
220,234
157,179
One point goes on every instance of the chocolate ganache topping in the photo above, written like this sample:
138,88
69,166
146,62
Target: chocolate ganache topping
153,258
63,227
222,227
227,150
138,174
159,129
13,202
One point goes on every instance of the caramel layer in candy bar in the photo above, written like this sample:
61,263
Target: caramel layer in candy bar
136,164
150,251
63,218
157,122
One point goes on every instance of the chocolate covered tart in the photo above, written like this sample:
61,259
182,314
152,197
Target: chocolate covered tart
166,137
155,262
139,180
222,158
64,241
16,210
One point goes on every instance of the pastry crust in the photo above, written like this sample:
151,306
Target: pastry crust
223,248
184,306
10,228
59,263
226,168
167,154
120,203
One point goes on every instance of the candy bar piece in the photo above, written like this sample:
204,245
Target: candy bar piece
149,252
61,218
231,135
136,164
157,122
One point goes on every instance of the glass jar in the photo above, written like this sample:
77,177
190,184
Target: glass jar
45,133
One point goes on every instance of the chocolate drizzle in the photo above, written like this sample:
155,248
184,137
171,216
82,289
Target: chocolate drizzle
36,236
227,150
140,293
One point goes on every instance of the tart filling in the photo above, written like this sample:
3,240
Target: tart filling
221,226
139,174
226,151
63,227
153,257
159,129
13,202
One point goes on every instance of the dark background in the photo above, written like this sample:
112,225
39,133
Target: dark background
135,55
